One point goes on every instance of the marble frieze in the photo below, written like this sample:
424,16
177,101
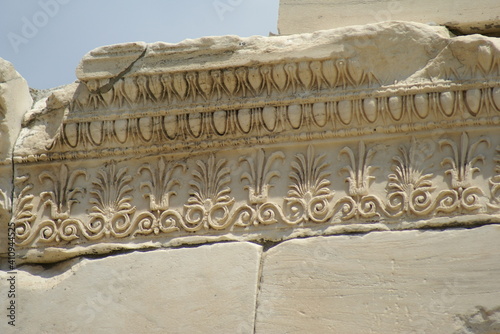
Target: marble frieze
389,126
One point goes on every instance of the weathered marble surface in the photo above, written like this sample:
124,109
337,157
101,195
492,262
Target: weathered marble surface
211,288
15,100
466,17
383,282
389,126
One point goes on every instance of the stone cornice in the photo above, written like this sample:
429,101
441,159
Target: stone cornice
251,139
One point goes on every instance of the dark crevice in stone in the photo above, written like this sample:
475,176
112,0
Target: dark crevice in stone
258,288
105,88
458,32
267,244
481,321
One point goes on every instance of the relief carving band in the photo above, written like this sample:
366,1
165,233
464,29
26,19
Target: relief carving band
229,138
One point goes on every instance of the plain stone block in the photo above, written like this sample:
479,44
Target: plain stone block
299,16
383,282
210,288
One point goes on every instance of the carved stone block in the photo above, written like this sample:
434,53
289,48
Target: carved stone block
391,126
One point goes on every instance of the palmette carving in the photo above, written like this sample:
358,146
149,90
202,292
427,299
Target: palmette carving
411,192
410,189
309,196
464,194
59,226
259,179
159,189
260,175
64,193
111,199
161,183
360,203
209,202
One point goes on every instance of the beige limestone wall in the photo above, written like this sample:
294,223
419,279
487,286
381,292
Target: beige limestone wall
467,17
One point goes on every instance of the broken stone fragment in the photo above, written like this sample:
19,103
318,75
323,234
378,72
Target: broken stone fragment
15,100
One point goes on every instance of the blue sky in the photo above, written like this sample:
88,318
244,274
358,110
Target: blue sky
45,39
